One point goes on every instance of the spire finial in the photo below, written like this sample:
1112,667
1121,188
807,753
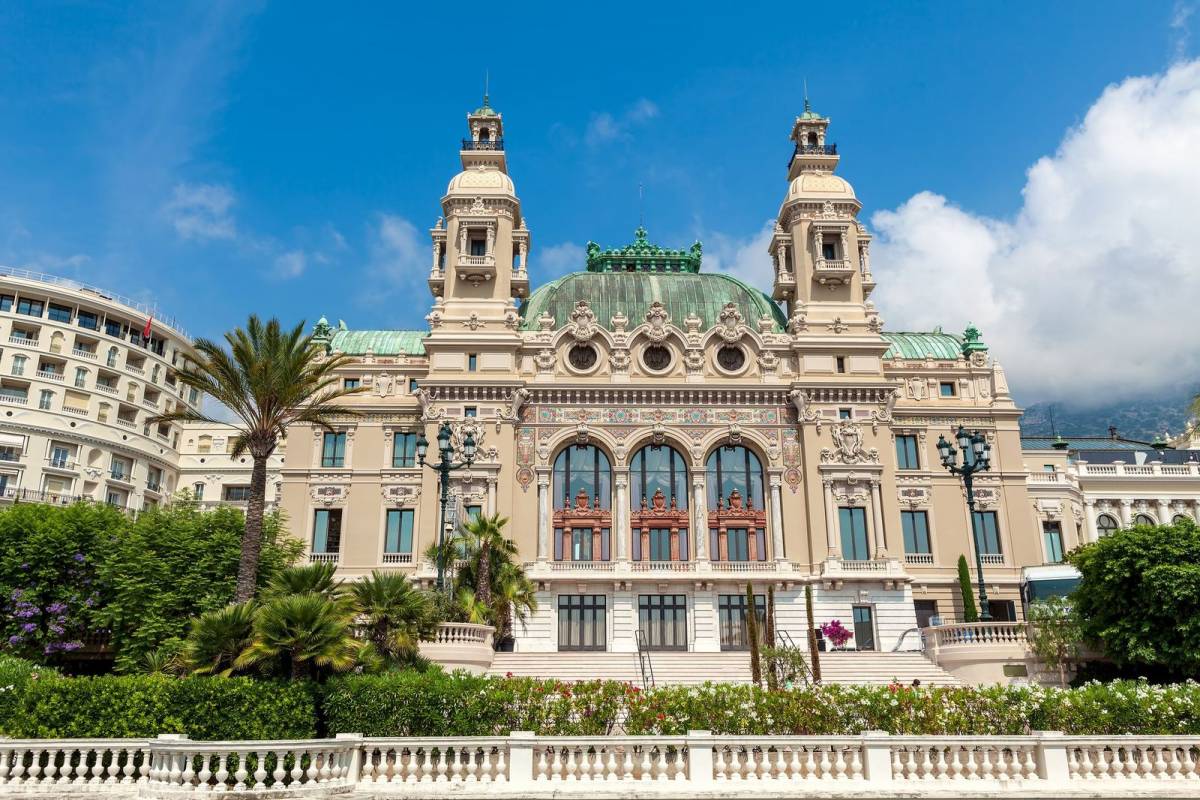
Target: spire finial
807,105
486,76
641,205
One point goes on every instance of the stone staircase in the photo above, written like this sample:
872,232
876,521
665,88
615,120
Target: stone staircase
696,668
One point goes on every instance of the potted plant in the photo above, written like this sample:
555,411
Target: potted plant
836,634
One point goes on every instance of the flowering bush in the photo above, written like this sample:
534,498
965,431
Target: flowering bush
836,633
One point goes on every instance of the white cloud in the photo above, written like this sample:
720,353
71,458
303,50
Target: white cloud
1089,292
606,127
291,264
745,258
558,259
201,211
398,255
1181,29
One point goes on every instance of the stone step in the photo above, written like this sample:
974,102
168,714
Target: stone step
695,668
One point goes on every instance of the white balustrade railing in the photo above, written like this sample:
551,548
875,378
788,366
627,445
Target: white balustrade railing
977,633
1190,469
521,764
464,633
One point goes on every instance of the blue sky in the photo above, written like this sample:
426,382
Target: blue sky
282,158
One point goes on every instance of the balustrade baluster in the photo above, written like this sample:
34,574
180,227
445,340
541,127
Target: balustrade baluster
188,772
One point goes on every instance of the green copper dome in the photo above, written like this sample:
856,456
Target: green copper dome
631,293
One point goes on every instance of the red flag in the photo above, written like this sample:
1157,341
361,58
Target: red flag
146,330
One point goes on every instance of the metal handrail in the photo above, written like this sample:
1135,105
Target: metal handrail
645,663
483,144
900,641
788,643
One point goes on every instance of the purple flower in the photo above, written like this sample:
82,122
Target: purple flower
57,630
29,627
25,566
25,613
16,595
15,639
79,557
56,608
69,646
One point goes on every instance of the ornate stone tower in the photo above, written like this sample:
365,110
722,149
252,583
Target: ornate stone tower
820,249
480,247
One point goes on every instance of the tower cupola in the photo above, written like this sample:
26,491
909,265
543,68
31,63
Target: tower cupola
813,153
486,143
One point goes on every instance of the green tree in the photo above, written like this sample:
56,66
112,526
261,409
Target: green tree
1054,635
171,565
970,612
1139,596
301,636
217,638
269,379
814,652
394,615
752,637
307,579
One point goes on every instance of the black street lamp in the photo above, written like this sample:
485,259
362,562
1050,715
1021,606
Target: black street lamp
977,457
444,466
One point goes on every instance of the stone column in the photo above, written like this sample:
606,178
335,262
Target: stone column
1164,512
1089,512
491,240
830,519
543,541
436,245
524,250
491,495
700,514
621,521
877,520
776,516
1127,513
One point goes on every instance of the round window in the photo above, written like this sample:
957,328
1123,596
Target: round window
730,358
582,356
656,358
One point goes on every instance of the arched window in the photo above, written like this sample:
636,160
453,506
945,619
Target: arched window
1144,519
204,444
111,359
737,516
812,138
1181,518
1106,524
659,491
583,501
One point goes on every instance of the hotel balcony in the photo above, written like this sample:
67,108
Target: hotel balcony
1119,470
835,571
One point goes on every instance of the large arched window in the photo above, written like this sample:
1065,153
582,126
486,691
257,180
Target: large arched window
1106,524
737,517
1180,519
582,504
1144,519
659,492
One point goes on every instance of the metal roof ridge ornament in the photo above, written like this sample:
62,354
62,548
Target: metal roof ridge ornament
642,256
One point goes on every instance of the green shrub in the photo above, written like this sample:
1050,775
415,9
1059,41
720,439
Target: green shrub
435,703
15,676
147,705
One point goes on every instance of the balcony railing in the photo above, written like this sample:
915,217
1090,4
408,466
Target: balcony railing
79,352
992,558
23,341
61,463
323,558
918,558
14,399
476,261
397,558
82,412
107,389
813,150
487,144
50,375
662,566
128,423
1137,470
120,475
135,370
976,633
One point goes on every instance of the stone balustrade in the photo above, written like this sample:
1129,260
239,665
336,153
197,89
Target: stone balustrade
464,633
461,645
523,765
976,633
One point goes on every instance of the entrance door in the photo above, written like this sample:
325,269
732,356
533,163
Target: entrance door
663,620
582,622
864,628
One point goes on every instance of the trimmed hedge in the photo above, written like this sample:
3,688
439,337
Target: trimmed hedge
147,705
435,704
15,676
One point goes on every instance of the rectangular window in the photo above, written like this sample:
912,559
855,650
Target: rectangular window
987,533
59,313
581,544
853,524
112,328
470,411
6,302
582,622
80,377
333,452
472,362
1047,468
350,383
412,385
193,396
479,247
237,494
864,628
946,389
737,540
31,307
473,512
18,365
828,250
1052,534
907,454
845,413
660,544
1003,610
404,452
198,491
399,535
840,361
327,531
662,621
731,618
916,532
46,398
88,319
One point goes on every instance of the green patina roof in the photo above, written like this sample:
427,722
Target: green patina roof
381,343
934,344
641,256
631,293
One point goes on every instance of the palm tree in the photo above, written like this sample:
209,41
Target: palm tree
483,537
269,379
394,615
217,638
306,579
302,634
514,599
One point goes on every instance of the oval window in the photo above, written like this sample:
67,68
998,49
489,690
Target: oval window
730,358
582,356
656,358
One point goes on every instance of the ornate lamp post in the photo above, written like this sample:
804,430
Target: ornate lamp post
977,457
444,466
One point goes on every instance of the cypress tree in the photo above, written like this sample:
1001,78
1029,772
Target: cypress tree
752,635
970,612
813,651
769,640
